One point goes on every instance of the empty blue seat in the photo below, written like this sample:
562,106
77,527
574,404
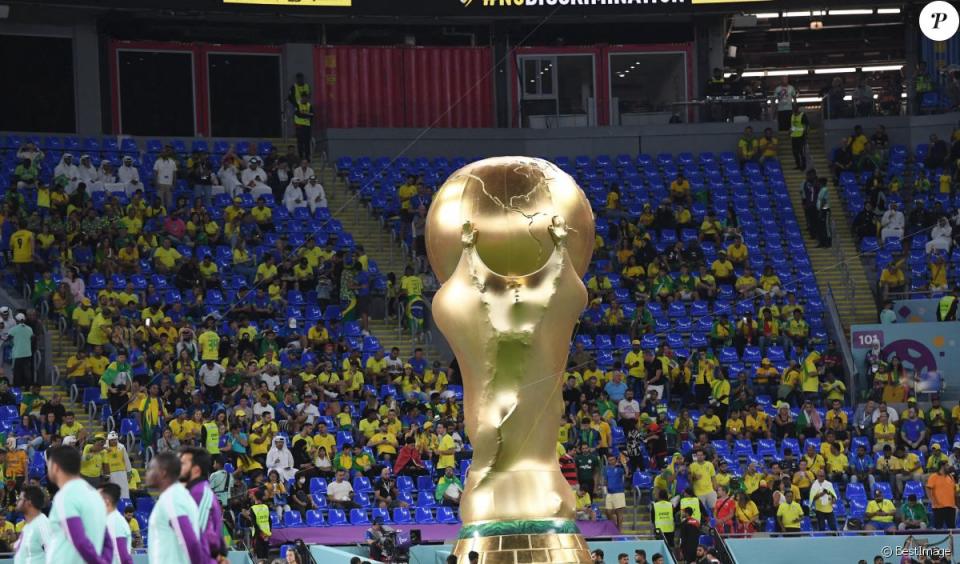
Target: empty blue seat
315,519
292,519
425,498
401,516
914,487
359,517
318,486
380,513
446,516
424,516
856,491
336,518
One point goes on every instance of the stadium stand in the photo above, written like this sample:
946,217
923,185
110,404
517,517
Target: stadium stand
704,334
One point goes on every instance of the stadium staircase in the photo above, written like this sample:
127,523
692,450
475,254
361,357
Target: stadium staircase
838,267
636,520
382,248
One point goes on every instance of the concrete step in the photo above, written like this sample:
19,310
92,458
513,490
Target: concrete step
379,246
838,267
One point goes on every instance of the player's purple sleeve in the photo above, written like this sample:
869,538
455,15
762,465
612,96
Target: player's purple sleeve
123,552
213,536
78,537
191,542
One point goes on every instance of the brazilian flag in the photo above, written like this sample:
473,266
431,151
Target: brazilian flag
416,314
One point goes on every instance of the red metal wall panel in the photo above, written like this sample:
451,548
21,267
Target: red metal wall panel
359,86
404,86
448,86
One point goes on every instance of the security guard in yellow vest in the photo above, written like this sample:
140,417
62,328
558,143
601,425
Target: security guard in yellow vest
947,308
691,501
715,87
302,121
210,437
299,89
261,525
798,136
663,519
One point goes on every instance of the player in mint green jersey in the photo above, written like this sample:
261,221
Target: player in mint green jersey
78,518
36,532
174,522
119,529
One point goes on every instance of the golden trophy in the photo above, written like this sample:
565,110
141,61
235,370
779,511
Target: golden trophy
510,238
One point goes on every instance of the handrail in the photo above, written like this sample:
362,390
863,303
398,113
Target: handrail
836,327
839,533
723,551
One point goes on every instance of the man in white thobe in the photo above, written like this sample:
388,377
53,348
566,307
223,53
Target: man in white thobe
68,172
892,223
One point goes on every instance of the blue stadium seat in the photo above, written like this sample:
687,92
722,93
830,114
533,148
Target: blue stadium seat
318,486
336,518
856,491
401,516
380,513
424,516
315,519
425,498
359,517
446,516
914,487
292,519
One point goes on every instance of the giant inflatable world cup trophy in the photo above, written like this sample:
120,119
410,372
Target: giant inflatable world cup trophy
509,238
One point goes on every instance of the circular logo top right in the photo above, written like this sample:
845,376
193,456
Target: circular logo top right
939,20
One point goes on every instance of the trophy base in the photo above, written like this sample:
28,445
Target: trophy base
524,544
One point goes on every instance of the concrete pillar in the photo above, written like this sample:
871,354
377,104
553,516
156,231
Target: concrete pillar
709,50
86,72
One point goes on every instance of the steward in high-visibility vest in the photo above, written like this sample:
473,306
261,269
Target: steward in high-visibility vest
302,120
261,525
947,308
797,126
798,136
303,115
211,437
663,519
691,501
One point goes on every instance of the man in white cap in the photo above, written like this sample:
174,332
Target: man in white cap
116,457
21,338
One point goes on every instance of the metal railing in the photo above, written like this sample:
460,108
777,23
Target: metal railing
835,326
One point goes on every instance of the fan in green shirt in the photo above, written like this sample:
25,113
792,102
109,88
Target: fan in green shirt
914,514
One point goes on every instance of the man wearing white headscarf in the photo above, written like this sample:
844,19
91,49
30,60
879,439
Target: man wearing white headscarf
295,196
129,176
254,180
316,197
87,173
229,177
281,459
304,171
67,173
